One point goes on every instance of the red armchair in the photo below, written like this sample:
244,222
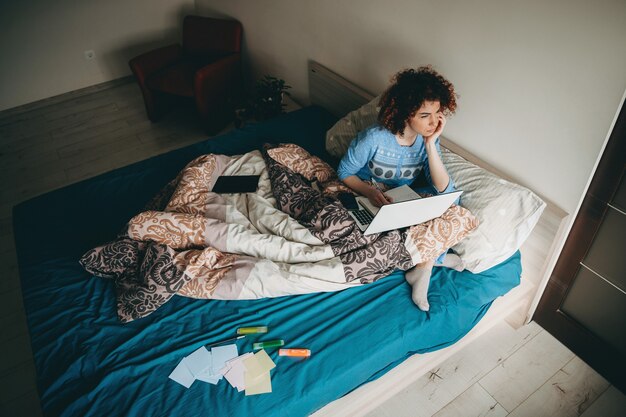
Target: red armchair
206,68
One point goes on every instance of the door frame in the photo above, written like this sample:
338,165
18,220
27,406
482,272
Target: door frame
605,359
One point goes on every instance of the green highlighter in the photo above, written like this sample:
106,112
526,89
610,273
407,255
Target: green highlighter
268,344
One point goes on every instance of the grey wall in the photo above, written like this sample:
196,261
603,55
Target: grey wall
540,81
43,42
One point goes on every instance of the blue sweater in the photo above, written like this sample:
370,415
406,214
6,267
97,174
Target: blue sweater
375,153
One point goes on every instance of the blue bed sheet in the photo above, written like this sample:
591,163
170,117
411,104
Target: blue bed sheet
89,364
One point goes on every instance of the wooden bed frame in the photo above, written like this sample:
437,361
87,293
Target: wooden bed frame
539,253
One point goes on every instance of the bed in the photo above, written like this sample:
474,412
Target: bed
366,340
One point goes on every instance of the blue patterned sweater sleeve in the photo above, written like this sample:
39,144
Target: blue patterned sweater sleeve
359,152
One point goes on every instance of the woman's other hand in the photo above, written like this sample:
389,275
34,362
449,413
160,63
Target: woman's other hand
367,189
377,197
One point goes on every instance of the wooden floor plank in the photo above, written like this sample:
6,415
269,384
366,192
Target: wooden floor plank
612,403
17,382
475,401
72,107
6,226
15,352
10,301
98,146
6,244
517,377
58,100
6,208
98,164
13,325
568,393
25,406
38,183
10,145
42,150
93,119
9,280
76,121
435,390
87,131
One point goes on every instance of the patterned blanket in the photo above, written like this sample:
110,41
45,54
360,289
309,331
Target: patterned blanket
292,236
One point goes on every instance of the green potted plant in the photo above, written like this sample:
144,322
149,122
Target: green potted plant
265,100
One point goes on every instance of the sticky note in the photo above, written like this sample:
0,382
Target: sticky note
254,368
220,355
211,379
239,358
264,360
235,376
182,375
261,385
235,372
257,376
199,361
209,376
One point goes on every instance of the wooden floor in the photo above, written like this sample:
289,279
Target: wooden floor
49,144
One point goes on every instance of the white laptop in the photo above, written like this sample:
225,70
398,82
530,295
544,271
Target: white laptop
407,209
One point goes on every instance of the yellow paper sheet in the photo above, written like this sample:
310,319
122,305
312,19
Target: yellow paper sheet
257,376
253,368
261,385
264,360
258,364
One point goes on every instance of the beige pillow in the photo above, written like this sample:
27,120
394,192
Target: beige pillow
507,213
339,136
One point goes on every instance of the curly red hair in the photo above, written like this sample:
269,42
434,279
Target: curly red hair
409,90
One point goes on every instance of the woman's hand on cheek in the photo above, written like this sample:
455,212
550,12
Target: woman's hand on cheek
441,124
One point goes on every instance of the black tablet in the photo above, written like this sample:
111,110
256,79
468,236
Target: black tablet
227,184
349,201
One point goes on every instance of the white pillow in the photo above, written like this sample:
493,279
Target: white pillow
507,212
339,136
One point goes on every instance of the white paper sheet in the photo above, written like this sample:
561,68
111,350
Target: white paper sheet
236,371
199,362
211,379
222,354
182,375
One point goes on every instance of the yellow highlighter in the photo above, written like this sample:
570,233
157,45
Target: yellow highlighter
252,330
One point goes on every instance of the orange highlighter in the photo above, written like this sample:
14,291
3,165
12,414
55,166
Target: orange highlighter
299,353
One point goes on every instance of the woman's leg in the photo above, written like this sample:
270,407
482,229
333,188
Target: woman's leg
419,278
452,261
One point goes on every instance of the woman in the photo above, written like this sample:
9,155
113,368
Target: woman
402,148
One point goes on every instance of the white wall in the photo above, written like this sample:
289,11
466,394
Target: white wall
43,41
540,81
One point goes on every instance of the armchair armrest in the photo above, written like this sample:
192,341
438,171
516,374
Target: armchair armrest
146,64
213,82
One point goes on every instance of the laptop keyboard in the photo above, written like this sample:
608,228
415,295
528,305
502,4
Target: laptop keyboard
363,216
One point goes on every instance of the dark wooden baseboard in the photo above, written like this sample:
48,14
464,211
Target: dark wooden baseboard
50,101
